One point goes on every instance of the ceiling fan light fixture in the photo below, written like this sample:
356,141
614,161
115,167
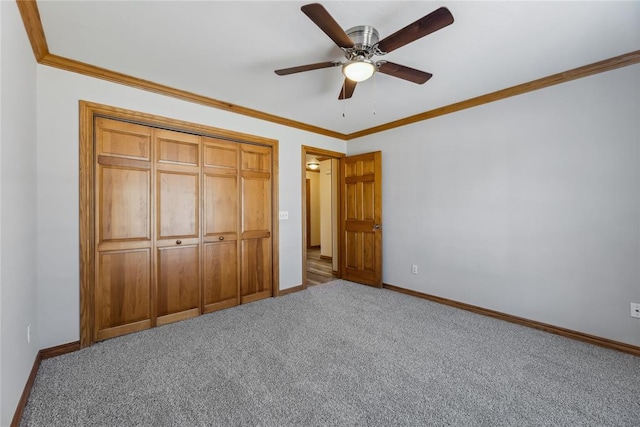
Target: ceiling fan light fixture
358,70
361,43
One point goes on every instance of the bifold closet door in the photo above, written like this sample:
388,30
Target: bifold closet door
177,225
256,272
220,284
183,225
123,224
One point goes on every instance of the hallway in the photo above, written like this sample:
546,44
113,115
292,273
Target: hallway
318,270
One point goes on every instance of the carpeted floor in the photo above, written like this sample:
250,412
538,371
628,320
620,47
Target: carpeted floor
338,354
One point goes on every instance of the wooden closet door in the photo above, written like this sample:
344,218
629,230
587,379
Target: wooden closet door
256,273
220,242
177,225
123,191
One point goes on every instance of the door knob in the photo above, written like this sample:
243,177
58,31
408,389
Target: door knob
221,238
178,241
376,227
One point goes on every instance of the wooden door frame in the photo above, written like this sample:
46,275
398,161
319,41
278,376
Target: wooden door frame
305,238
88,112
307,219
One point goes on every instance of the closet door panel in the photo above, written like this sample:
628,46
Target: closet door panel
124,295
256,269
177,203
256,191
221,155
221,205
178,234
256,274
221,277
176,148
256,206
178,283
122,140
123,229
256,158
124,203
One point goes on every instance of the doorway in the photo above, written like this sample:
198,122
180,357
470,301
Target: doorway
321,220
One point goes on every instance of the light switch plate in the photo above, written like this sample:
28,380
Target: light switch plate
284,214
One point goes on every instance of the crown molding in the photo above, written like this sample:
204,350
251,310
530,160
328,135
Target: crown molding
554,79
33,25
35,32
127,80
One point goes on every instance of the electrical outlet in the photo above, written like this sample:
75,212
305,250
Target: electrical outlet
284,214
28,334
635,310
414,269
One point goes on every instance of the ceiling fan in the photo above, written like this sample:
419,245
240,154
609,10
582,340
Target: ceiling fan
360,44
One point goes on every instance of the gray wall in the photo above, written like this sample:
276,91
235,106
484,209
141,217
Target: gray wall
17,209
529,206
58,180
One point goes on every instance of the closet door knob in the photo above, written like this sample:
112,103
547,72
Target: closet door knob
221,238
178,241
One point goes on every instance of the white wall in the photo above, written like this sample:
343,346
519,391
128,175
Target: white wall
326,240
58,257
314,208
529,206
1,117
17,209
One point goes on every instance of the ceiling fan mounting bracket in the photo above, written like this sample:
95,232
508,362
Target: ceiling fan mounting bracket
365,41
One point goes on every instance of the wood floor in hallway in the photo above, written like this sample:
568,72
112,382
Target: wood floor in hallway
318,270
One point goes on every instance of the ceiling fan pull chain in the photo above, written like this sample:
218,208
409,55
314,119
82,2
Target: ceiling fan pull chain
344,103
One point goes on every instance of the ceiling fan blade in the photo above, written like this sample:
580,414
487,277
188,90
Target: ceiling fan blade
434,21
319,15
406,73
347,89
309,67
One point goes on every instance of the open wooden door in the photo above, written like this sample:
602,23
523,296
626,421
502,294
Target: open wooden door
361,219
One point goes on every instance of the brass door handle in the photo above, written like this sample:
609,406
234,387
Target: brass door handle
221,238
376,227
178,241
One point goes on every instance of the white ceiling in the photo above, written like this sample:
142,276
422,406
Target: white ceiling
228,50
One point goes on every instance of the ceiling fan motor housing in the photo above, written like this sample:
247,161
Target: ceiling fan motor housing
364,39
